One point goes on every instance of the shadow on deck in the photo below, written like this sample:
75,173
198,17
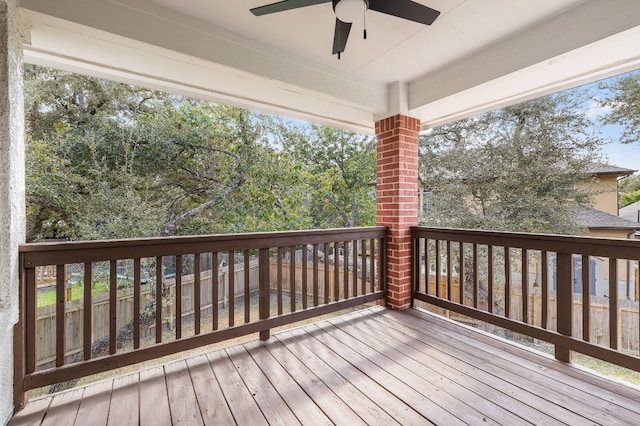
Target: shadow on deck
374,366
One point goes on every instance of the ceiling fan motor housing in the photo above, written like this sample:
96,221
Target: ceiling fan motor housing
349,10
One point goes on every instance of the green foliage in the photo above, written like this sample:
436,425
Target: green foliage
337,168
627,198
513,169
629,184
624,105
629,189
109,160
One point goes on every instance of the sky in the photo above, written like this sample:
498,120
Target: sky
615,153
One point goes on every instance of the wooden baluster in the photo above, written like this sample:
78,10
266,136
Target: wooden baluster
61,328
613,303
507,282
427,264
113,305
475,276
525,285
197,293
304,276
372,276
215,293
586,299
490,278
247,288
355,267
316,280
564,295
461,274
336,272
438,269
178,299
264,296
158,299
382,264
136,303
292,279
415,262
449,264
279,280
365,258
326,273
545,289
231,268
88,313
345,268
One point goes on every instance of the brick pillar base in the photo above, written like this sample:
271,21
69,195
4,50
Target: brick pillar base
397,200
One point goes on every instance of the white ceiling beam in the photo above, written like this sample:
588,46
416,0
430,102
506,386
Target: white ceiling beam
156,25
587,23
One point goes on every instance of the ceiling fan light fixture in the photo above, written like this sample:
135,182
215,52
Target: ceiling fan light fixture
350,10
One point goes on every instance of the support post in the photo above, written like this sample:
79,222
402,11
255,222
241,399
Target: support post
12,206
397,200
564,293
264,298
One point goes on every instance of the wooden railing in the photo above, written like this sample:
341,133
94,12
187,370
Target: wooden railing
299,275
532,284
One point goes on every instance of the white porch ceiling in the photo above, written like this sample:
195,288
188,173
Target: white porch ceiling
477,56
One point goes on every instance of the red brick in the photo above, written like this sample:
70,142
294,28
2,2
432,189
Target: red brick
397,192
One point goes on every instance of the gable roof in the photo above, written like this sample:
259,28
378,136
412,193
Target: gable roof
607,169
631,212
596,219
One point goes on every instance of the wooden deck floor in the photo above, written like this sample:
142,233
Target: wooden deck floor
375,367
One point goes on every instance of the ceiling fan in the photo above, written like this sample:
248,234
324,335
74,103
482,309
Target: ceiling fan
347,11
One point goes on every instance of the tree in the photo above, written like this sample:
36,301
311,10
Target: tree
629,189
85,154
623,104
337,168
514,169
108,160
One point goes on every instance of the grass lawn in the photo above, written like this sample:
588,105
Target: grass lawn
77,292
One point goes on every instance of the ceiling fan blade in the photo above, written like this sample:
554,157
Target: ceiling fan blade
281,6
405,9
340,36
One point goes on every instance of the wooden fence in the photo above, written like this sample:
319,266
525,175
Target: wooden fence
46,322
628,318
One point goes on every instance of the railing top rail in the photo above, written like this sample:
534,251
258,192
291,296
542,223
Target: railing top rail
39,254
593,246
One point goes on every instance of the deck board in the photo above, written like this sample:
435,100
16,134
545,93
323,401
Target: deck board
330,404
565,391
95,403
64,408
497,384
33,413
271,403
501,407
374,366
296,399
124,401
242,404
385,399
213,406
183,403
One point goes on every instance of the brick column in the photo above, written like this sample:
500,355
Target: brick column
397,200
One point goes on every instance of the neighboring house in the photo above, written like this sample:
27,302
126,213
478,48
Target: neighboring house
631,212
602,224
606,198
602,220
